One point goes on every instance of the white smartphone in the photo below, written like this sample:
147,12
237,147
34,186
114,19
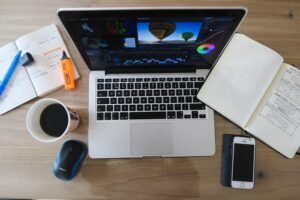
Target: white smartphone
243,162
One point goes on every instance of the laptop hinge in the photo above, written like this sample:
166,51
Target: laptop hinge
143,69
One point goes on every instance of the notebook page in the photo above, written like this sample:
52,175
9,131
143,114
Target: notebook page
277,118
46,47
240,78
19,88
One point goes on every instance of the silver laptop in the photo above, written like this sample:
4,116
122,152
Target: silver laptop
147,66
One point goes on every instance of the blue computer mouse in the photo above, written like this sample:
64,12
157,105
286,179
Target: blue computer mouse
69,159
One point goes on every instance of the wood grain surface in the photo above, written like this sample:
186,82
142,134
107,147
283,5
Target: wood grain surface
25,164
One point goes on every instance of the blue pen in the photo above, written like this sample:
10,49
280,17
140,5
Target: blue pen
10,71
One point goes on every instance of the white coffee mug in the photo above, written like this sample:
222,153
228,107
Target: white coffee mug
34,125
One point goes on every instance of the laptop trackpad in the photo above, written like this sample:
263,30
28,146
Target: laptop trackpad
151,139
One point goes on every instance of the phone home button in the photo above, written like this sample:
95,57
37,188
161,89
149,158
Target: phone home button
242,184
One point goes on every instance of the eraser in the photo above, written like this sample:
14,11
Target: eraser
26,59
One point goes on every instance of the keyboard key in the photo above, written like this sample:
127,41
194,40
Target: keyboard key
164,92
150,99
186,92
123,86
166,100
156,93
108,80
160,85
200,79
187,116
162,107
139,80
185,106
149,92
177,79
147,107
169,79
177,107
202,106
173,99
162,79
158,100
190,85
121,100
202,116
188,99
131,80
100,108
103,100
144,100
111,93
167,85
116,80
109,108
130,85
100,86
154,79
147,79
119,93
128,100
102,94
115,116
179,114
123,79
154,107
147,115
185,79
196,100
145,85
195,106
194,114
115,86
117,108
124,115
100,116
139,107
124,107
126,93
178,92
134,93
137,86
194,92
174,85
132,107
193,79
198,85
141,92
100,80
153,85
136,100
180,99
107,116
170,107
182,85
171,115
113,100
171,92
107,86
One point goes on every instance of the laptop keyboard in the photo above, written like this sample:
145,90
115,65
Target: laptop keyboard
149,98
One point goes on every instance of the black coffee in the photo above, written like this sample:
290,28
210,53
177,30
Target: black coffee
54,120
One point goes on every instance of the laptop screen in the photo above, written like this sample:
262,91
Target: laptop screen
156,38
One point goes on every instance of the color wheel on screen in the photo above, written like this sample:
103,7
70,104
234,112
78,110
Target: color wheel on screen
206,48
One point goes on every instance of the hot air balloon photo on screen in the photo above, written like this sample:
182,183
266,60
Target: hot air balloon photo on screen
161,30
187,35
168,32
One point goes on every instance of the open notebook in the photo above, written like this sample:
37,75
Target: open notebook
42,77
252,87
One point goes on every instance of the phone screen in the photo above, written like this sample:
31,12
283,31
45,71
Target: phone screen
243,162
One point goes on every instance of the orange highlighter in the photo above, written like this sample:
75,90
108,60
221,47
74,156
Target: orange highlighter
68,71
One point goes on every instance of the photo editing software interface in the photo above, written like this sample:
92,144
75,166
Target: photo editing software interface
106,42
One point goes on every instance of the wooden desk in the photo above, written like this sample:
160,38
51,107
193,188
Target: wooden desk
25,164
